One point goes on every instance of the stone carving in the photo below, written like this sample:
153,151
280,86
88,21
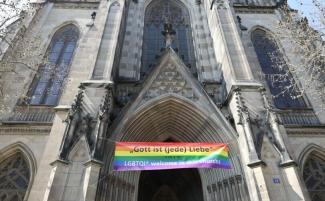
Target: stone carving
103,122
80,124
72,120
76,105
124,93
267,124
220,4
170,80
271,126
167,13
245,121
169,34
84,128
106,106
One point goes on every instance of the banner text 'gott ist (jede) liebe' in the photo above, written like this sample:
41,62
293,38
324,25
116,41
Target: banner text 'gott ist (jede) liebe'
159,156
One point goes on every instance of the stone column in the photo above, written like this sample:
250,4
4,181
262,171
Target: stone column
292,182
57,147
244,120
111,12
71,120
225,34
252,165
103,122
59,174
91,179
46,172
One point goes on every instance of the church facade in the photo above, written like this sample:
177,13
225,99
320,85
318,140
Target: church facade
158,71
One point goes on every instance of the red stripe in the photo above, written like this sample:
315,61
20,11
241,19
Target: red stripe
125,145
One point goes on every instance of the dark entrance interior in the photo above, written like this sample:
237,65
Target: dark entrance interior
170,185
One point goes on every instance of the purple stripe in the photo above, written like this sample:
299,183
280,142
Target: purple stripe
178,166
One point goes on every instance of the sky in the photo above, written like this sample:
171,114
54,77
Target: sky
307,8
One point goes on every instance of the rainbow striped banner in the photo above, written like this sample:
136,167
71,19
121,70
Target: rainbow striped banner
160,156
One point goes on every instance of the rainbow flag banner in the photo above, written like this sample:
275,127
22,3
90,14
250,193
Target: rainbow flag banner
159,156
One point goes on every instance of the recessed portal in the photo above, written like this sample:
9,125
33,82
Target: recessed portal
170,185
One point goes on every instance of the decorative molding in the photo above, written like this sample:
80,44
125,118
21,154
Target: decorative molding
97,83
306,153
24,130
94,162
255,9
289,163
170,80
257,6
76,106
76,5
244,120
244,86
60,161
80,123
62,108
306,117
256,163
106,107
31,114
305,131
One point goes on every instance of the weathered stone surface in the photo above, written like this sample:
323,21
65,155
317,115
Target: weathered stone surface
71,145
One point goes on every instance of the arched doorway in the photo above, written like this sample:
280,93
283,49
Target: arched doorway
170,185
177,119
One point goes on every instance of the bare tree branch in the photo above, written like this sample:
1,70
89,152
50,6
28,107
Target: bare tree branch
306,72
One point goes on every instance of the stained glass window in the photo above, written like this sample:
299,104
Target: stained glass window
48,85
314,177
157,14
14,178
273,66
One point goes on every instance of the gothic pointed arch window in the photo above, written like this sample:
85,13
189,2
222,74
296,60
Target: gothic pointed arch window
48,83
314,176
157,14
14,178
273,65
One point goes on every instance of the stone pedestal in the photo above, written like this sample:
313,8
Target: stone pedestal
40,189
259,180
59,174
293,183
91,179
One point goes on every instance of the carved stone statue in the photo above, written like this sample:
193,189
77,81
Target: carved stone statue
169,34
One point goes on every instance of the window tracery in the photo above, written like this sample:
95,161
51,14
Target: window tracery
48,85
156,16
273,64
14,178
314,177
